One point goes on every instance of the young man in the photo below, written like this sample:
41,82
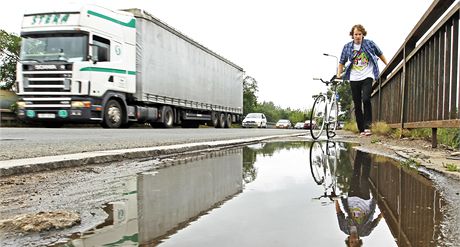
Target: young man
363,70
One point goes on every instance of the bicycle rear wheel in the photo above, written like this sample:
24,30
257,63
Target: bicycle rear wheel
333,119
317,117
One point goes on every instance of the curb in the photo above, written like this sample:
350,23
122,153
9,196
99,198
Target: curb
46,163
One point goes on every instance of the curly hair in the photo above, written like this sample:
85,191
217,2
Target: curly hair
360,28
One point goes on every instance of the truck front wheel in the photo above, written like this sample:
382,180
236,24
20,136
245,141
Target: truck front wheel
113,115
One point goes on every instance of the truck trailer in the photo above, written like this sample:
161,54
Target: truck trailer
89,64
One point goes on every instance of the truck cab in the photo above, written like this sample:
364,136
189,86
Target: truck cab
77,64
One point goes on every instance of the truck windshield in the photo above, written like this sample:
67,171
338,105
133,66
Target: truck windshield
54,47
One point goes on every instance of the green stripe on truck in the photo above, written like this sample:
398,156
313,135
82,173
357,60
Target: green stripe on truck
109,70
131,23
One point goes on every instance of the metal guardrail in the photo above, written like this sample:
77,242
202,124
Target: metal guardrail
420,86
7,117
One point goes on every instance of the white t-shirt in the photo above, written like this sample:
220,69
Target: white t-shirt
359,208
361,65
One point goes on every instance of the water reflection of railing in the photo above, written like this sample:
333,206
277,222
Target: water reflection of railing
409,201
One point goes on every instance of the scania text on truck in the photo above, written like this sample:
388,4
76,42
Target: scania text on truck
89,64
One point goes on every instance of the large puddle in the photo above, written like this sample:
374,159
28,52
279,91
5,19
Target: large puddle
277,194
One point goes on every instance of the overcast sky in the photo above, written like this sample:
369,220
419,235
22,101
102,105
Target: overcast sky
279,43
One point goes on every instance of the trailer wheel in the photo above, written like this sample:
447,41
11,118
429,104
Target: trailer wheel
228,120
168,117
221,122
215,119
113,115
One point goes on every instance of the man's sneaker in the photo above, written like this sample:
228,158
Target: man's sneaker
362,134
367,132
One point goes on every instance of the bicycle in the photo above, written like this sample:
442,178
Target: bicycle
323,167
325,110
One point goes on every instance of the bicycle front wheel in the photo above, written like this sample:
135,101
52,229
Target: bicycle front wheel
333,118
317,117
317,155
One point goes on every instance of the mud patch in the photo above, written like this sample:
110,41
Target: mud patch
42,221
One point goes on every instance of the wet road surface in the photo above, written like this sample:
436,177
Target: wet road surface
269,194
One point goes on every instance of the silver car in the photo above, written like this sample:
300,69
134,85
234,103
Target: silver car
283,124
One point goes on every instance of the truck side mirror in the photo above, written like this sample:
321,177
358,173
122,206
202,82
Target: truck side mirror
90,58
93,58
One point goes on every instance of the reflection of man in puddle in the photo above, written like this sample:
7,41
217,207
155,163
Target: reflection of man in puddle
359,206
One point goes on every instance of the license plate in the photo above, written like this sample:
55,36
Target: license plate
46,115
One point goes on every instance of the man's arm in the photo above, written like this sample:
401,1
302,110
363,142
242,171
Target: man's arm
384,60
337,207
340,70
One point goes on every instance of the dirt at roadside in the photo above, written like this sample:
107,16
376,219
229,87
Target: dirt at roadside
420,151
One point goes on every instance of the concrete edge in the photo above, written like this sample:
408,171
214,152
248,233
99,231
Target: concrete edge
399,156
46,163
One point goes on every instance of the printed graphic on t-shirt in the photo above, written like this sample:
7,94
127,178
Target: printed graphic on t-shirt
360,61
358,214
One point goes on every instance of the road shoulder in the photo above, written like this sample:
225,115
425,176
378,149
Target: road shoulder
418,151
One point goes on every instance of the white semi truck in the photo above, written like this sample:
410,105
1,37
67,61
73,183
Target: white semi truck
85,63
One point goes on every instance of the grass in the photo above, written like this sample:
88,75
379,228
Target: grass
446,136
375,139
410,163
351,126
451,167
381,128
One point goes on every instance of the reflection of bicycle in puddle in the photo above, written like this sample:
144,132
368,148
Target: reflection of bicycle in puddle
323,165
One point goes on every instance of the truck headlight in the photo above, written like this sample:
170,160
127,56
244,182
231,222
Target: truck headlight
81,104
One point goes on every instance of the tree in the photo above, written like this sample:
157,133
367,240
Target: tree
297,116
249,95
271,111
9,56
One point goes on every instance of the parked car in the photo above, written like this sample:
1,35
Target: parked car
283,124
307,125
299,125
340,125
255,120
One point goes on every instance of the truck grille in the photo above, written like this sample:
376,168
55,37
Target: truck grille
53,80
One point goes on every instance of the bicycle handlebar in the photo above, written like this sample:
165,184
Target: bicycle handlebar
332,80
